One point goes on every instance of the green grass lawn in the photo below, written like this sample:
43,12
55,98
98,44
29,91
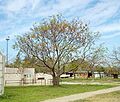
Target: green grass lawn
109,97
102,80
39,93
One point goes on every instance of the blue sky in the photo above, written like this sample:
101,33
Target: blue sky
17,16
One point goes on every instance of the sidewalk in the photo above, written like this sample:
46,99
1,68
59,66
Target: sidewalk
82,95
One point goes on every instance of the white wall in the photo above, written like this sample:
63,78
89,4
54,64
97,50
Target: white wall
1,74
13,76
97,75
47,78
42,75
13,79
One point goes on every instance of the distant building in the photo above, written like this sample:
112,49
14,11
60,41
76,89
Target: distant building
87,74
65,76
43,78
20,76
17,76
99,74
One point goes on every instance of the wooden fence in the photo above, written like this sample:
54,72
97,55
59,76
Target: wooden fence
28,82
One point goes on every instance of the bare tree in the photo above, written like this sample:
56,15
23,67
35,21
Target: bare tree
56,42
97,57
116,56
93,58
112,70
113,63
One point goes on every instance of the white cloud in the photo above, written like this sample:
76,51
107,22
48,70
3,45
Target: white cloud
12,33
21,12
102,11
108,28
60,6
111,36
16,5
20,15
66,4
35,3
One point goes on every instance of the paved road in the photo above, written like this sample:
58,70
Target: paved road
82,95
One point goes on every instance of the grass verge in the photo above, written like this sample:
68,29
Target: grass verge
90,80
39,93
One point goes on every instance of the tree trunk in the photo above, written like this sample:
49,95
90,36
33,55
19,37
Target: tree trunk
115,76
89,74
56,80
74,75
100,75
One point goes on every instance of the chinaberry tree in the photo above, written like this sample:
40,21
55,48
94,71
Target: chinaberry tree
55,42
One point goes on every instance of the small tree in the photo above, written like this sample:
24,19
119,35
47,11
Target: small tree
116,56
17,62
113,71
73,66
114,63
97,58
100,69
55,42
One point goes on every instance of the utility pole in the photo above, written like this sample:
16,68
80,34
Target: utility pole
7,39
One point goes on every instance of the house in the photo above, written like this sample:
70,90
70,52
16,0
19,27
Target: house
78,74
29,75
12,77
86,74
43,79
65,76
18,76
21,76
99,74
2,62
